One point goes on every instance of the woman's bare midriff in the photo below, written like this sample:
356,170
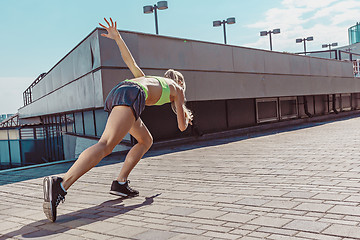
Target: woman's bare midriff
153,87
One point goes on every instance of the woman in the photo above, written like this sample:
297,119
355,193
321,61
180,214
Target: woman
125,103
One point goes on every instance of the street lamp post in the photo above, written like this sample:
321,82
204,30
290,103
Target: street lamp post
299,40
219,22
264,33
162,5
329,46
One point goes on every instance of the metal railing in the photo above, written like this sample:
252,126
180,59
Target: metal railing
328,54
356,65
345,55
27,95
339,55
12,121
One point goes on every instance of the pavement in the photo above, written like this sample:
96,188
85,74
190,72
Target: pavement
297,183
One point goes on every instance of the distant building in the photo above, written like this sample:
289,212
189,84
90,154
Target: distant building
354,34
347,52
5,116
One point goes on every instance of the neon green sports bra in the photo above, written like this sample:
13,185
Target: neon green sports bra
165,94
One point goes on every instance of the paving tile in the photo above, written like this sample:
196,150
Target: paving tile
308,226
236,217
126,231
346,210
96,236
100,227
282,237
252,201
280,231
314,207
317,236
343,231
158,226
269,221
207,214
155,235
258,235
327,196
218,235
215,229
299,194
189,237
182,211
188,230
281,204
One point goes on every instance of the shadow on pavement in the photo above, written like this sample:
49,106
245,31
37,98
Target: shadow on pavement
77,219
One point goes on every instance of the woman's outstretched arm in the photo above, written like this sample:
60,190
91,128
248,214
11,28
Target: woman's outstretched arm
125,53
183,115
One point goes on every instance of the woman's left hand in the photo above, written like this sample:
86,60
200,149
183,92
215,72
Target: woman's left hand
111,29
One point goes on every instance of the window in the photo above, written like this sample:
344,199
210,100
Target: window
79,129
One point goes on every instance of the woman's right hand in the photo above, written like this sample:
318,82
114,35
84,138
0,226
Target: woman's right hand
112,31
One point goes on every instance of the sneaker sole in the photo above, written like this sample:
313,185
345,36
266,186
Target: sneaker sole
47,207
118,193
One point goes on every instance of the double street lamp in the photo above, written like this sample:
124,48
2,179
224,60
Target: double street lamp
223,22
264,33
329,46
162,5
299,40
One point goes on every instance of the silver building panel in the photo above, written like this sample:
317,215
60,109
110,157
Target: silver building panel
277,63
248,60
109,52
318,67
212,57
174,53
299,65
81,94
84,77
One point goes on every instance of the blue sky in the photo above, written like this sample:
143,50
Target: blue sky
36,34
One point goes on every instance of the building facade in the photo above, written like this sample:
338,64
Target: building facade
228,87
354,34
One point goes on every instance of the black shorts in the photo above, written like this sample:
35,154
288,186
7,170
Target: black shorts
126,94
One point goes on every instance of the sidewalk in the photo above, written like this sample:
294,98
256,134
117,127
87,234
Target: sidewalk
298,184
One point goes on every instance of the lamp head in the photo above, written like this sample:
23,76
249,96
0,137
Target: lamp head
263,33
217,23
276,31
148,9
230,20
162,5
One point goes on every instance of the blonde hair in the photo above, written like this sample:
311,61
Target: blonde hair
177,77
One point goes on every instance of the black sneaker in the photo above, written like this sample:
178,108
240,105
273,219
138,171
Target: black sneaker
53,194
123,190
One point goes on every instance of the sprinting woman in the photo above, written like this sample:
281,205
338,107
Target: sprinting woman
125,103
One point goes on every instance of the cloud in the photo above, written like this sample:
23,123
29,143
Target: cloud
308,4
340,8
325,20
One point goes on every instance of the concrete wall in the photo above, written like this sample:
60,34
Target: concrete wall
83,78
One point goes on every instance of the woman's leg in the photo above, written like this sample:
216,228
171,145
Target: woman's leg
120,121
145,140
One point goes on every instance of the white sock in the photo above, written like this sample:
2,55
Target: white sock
62,187
122,183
